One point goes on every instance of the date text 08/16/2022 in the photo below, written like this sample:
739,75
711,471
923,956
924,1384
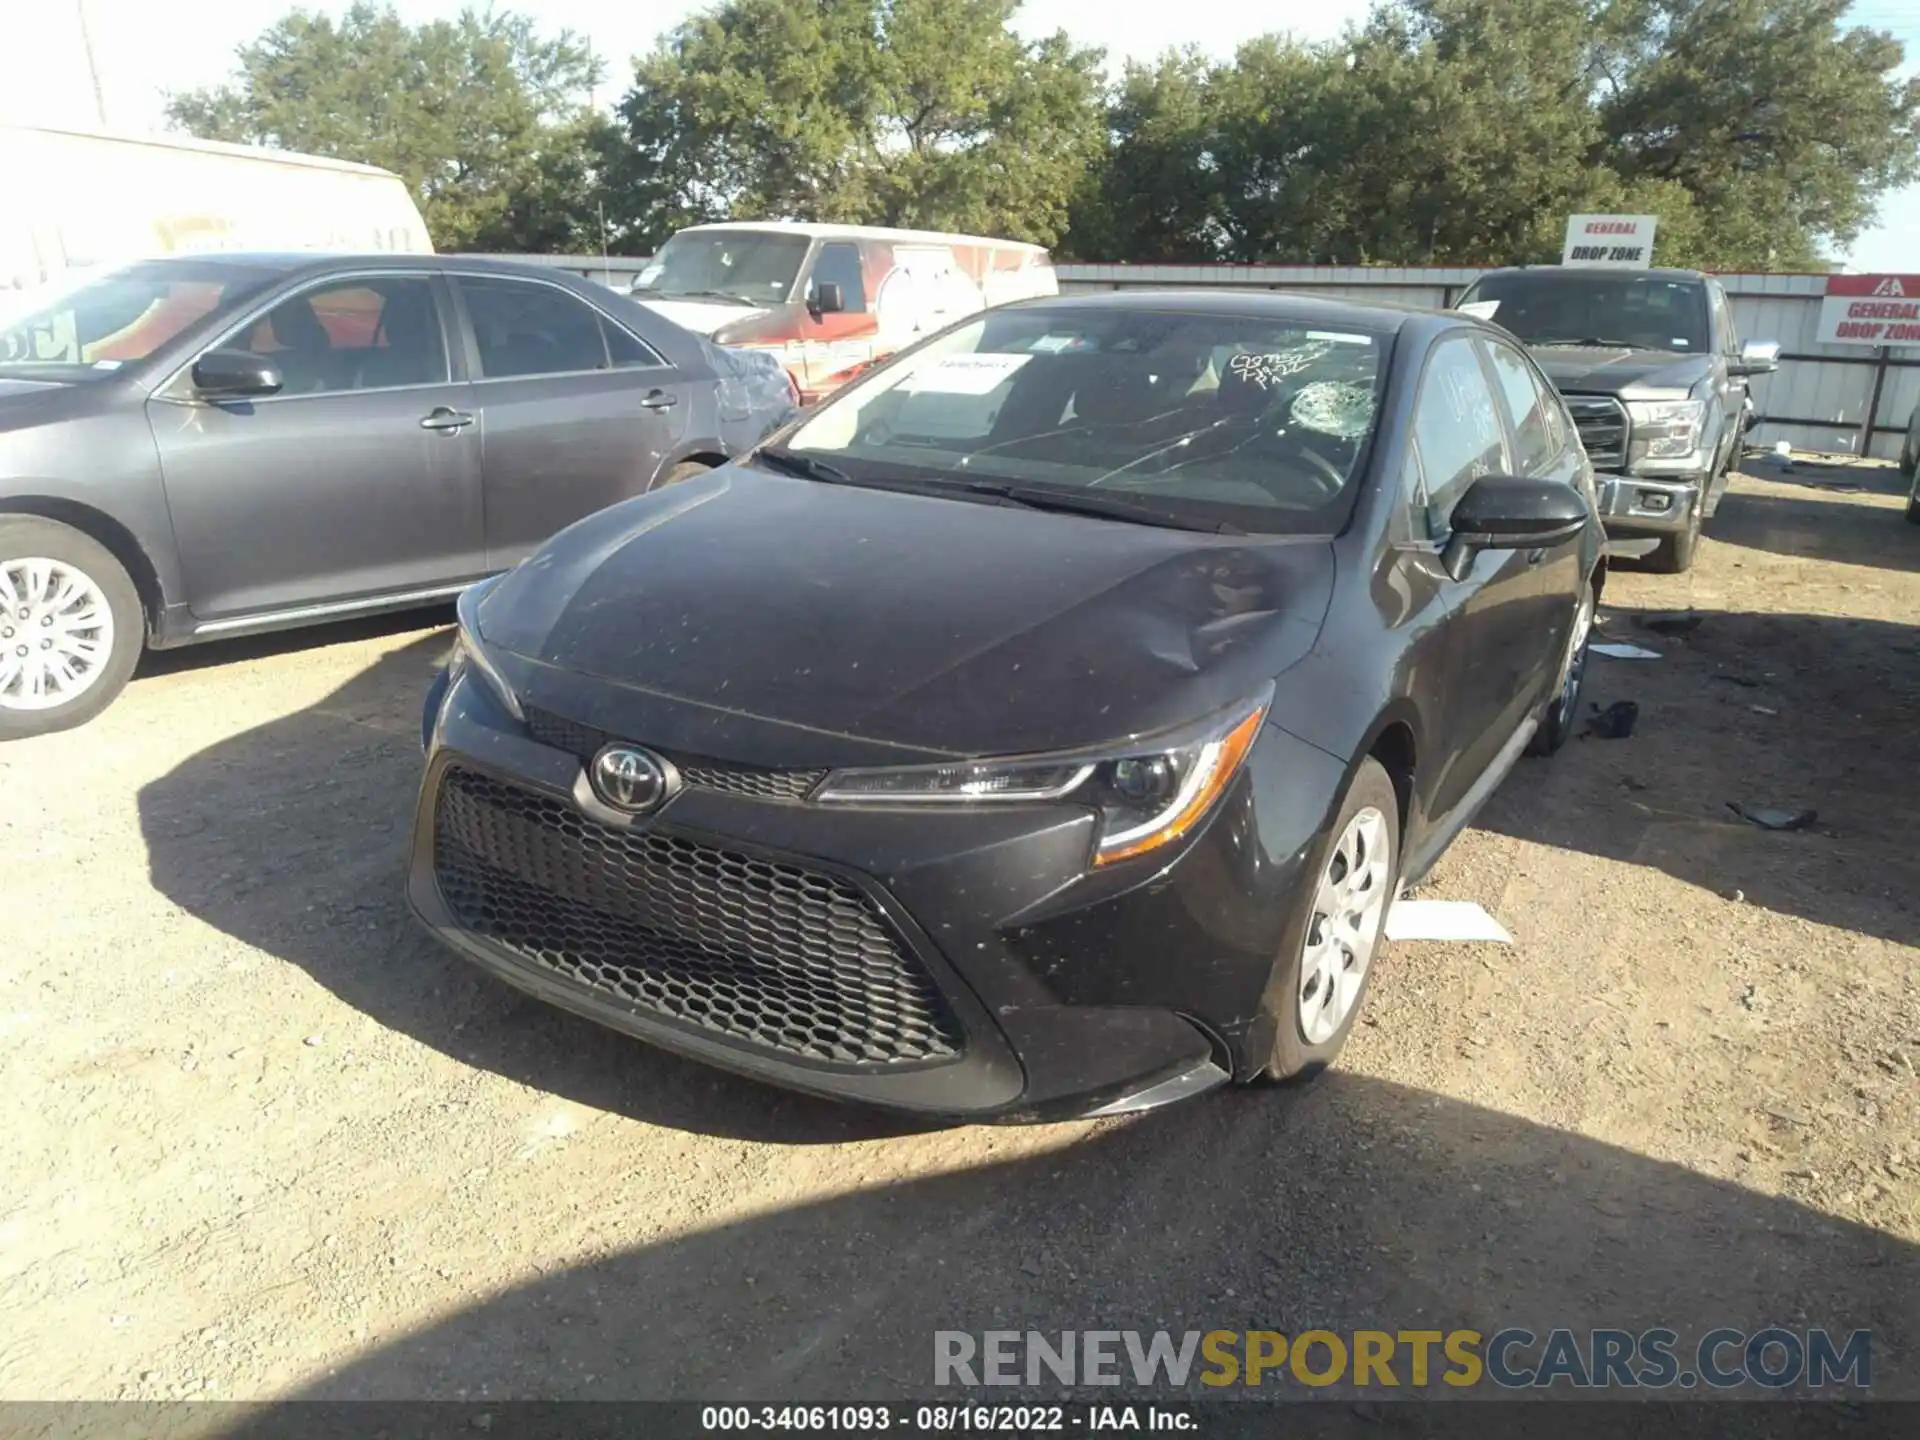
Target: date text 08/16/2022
944,1419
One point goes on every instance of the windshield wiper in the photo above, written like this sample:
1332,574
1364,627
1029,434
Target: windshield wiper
1106,506
726,295
1587,342
804,466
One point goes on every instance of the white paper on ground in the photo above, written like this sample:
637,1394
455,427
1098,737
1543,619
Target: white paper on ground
1443,920
1624,652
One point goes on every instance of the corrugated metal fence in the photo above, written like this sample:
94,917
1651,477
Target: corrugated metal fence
1823,397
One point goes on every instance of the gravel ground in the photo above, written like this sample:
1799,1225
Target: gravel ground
271,1141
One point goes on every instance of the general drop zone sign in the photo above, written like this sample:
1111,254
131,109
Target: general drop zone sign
1871,310
1622,242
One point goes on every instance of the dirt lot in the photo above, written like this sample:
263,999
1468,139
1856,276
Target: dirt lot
268,1140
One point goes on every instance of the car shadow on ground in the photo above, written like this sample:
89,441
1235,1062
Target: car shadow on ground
1352,1204
1784,711
293,837
1804,510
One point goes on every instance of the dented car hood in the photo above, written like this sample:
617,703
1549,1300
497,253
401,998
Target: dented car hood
830,624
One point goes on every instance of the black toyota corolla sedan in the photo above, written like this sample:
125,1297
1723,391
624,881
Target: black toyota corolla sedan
1040,727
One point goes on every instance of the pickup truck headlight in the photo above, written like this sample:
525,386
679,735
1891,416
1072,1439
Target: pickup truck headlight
1149,793
1665,429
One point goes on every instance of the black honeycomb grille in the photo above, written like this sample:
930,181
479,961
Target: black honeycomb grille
768,953
585,742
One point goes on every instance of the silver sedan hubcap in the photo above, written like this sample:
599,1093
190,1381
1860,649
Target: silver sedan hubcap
56,632
1345,926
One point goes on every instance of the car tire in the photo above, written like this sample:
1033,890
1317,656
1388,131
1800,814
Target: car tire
77,579
1322,981
1913,497
685,470
1675,553
1561,714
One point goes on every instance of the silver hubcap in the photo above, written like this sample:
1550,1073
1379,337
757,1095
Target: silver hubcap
56,632
1347,914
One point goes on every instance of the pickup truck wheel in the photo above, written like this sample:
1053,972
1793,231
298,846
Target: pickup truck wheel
1675,555
71,627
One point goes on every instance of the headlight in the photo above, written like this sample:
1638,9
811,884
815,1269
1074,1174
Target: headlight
470,655
1665,429
1148,793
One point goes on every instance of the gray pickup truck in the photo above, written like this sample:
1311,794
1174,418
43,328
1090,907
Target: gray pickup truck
1656,379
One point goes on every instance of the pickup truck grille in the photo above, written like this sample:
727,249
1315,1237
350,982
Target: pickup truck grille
1602,423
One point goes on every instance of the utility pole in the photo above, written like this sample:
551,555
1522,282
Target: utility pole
93,69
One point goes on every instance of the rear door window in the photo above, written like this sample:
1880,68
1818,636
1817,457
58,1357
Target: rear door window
524,328
1535,445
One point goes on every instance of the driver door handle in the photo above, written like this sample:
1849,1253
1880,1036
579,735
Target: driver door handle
659,400
445,418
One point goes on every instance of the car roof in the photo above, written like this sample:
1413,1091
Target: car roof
1375,315
297,261
1596,272
811,228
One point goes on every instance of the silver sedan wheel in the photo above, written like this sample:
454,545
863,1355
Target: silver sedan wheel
56,633
1347,913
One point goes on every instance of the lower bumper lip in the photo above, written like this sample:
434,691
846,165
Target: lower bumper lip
1196,1080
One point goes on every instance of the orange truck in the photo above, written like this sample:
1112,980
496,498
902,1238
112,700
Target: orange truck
830,300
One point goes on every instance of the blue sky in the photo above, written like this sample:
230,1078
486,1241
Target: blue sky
147,47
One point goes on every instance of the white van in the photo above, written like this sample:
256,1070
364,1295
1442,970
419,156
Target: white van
832,299
80,198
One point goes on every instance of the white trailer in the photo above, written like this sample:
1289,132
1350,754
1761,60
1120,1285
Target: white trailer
76,198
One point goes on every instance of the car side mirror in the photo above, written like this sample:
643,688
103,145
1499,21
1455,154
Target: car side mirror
1510,512
235,375
826,299
1757,357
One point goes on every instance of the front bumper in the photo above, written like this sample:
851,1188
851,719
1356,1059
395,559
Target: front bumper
1637,505
1065,993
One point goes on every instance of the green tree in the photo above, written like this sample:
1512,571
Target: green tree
488,121
1762,132
1785,125
924,113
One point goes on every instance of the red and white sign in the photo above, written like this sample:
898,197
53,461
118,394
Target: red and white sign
1617,242
1871,310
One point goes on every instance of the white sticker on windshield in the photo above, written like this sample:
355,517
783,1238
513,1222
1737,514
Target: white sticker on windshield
1337,338
1054,344
1479,309
965,374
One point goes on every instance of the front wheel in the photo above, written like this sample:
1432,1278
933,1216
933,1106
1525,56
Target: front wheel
1561,713
1330,957
1675,553
70,627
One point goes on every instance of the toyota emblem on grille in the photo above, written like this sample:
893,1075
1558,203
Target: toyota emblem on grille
630,779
